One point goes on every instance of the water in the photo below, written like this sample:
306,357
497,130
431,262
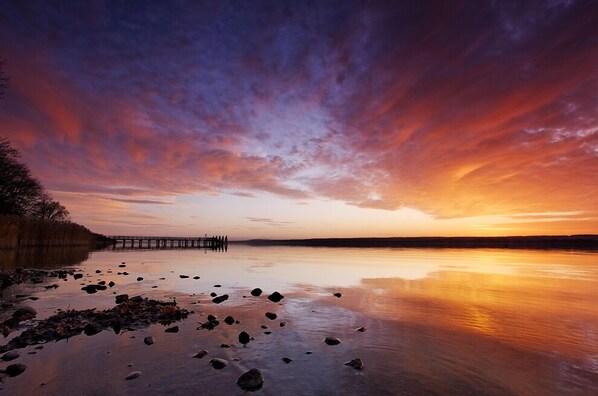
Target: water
439,321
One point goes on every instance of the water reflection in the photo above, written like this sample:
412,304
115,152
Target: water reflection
48,258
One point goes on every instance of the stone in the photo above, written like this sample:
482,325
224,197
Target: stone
123,265
196,277
133,375
251,381
54,286
139,278
357,364
219,299
217,285
15,369
224,346
24,313
98,271
10,355
212,294
256,292
121,298
332,341
244,338
92,328
360,329
275,297
229,320
111,284
149,340
212,318
125,273
218,363
200,354
287,360
271,315
183,276
337,295
283,324
173,329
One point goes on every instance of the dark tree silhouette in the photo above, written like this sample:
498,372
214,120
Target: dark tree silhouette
3,78
21,194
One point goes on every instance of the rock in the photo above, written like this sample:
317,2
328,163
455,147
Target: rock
337,295
123,265
212,318
183,276
121,298
360,329
219,299
102,283
212,294
308,352
90,289
78,276
251,380
173,329
15,369
244,338
139,278
24,313
149,340
287,360
10,355
256,292
218,363
196,277
33,298
98,271
332,341
200,354
275,297
283,324
224,346
357,364
111,284
54,286
125,273
267,332
229,320
271,315
217,285
92,328
133,375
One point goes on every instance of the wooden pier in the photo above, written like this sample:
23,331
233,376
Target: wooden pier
162,242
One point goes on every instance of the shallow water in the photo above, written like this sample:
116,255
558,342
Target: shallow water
439,321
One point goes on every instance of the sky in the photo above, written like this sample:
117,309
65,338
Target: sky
299,119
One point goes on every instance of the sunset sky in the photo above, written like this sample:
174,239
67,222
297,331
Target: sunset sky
308,119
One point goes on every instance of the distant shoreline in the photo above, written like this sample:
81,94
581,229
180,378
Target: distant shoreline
567,242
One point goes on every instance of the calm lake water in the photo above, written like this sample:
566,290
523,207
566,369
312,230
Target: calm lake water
438,321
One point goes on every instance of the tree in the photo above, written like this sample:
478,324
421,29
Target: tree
3,78
21,194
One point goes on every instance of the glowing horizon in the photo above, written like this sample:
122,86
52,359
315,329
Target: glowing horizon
279,120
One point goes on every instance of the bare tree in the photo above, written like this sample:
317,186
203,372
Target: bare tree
21,194
3,78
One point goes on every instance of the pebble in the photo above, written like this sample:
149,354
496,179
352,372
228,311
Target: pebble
219,299
139,278
213,294
212,318
200,354
196,277
275,297
256,292
183,276
15,369
133,375
244,337
149,340
251,380
287,360
229,320
111,284
271,315
360,329
173,329
218,363
78,276
122,265
217,285
357,364
10,355
332,341
283,324
337,295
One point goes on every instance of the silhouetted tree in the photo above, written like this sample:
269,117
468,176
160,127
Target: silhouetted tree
21,194
3,78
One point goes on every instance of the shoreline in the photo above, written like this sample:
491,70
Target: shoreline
543,242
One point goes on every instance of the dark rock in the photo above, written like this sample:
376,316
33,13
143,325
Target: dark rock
332,341
360,329
219,299
308,352
98,271
111,284
357,364
102,283
196,277
212,318
133,375
101,287
256,292
24,313
54,286
264,326
15,369
212,294
283,324
218,363
267,332
200,354
173,329
10,355
251,380
121,298
183,276
229,320
92,328
125,273
224,346
244,338
287,360
149,340
123,265
139,278
337,295
33,298
271,315
217,285
275,297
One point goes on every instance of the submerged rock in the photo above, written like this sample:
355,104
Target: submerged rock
275,297
256,292
251,380
357,364
332,341
218,363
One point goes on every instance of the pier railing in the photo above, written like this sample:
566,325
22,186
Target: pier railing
163,242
